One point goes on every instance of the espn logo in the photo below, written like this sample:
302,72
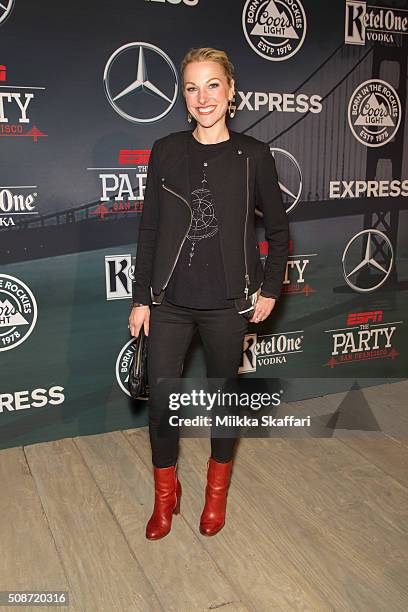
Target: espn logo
361,318
129,157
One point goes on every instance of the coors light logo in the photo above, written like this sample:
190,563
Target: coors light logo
275,29
374,113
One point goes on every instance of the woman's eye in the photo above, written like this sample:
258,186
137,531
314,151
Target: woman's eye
212,85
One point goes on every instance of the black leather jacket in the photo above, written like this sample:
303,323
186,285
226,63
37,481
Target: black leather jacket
240,181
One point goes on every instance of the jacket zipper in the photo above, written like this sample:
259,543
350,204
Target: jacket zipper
247,279
246,290
185,235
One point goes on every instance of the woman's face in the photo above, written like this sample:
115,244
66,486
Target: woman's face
207,92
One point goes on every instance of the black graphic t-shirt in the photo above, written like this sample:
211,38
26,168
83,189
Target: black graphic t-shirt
198,280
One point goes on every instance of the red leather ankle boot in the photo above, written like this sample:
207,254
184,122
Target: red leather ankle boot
218,479
167,490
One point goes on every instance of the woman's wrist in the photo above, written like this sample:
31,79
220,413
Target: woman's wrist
268,295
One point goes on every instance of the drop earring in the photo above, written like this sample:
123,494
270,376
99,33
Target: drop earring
231,109
189,117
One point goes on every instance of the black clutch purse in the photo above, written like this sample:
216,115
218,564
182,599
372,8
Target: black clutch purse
137,380
246,307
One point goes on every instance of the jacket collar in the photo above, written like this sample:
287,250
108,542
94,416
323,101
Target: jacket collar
233,169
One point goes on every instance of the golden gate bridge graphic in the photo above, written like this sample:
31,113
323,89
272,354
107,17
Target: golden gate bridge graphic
324,146
329,151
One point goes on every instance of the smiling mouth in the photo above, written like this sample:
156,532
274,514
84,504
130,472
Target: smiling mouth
205,110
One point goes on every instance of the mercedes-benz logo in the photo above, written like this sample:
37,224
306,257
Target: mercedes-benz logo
367,269
5,9
132,97
292,183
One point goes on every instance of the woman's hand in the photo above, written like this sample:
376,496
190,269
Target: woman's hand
139,315
263,309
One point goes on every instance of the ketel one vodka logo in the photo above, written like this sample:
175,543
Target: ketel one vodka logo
374,113
15,108
374,24
119,273
122,191
17,203
269,349
18,312
365,337
275,29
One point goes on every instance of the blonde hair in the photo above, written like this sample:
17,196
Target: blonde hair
203,54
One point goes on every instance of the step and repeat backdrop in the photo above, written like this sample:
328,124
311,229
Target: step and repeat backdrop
86,88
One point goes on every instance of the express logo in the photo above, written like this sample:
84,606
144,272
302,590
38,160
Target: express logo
280,102
275,29
374,113
367,260
147,98
18,312
366,337
269,349
25,399
393,188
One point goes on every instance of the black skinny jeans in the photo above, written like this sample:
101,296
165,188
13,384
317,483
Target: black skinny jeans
171,331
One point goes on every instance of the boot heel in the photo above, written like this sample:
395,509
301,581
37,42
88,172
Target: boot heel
218,479
177,506
166,485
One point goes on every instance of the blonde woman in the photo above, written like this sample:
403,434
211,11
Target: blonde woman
198,264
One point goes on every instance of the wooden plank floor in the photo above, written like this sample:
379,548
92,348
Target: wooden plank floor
312,523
